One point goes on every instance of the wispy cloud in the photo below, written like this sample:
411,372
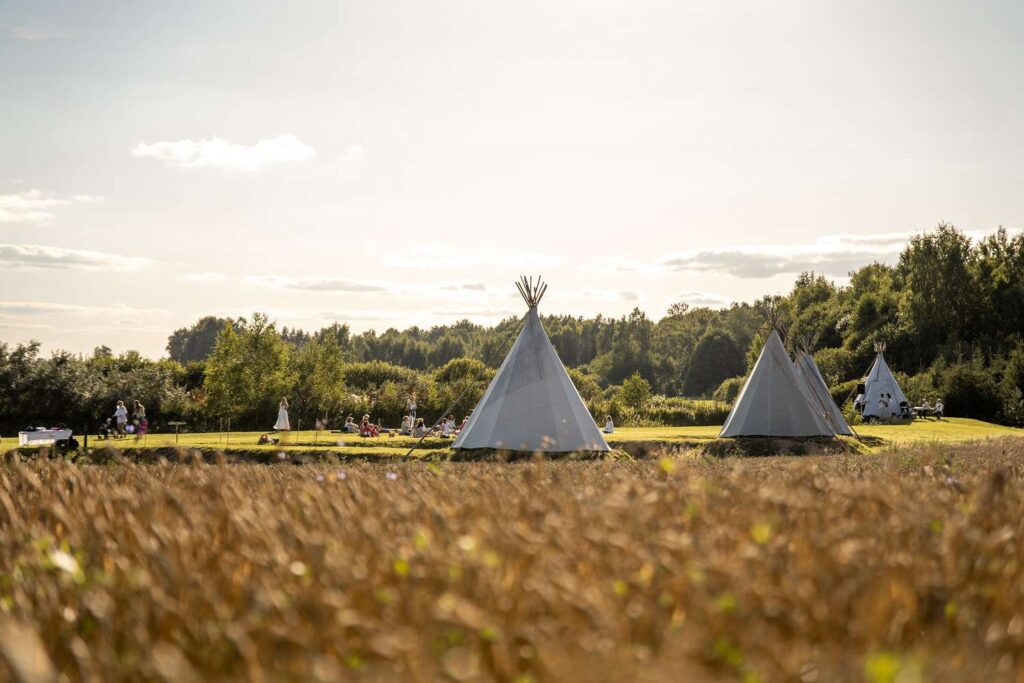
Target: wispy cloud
32,309
314,317
703,299
34,32
434,255
203,277
320,284
222,153
37,257
357,286
835,255
606,295
35,206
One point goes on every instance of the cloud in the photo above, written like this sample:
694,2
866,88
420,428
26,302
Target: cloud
834,255
830,255
36,257
608,295
434,255
203,277
31,309
320,284
222,153
31,206
356,286
314,316
34,206
703,299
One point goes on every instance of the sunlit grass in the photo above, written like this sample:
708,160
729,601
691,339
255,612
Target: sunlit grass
950,430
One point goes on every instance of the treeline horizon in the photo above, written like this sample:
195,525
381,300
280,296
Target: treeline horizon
950,310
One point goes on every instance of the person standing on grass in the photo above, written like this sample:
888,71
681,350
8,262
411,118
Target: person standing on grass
121,417
139,417
282,424
410,405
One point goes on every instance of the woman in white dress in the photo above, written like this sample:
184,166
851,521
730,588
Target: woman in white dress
121,417
282,417
609,425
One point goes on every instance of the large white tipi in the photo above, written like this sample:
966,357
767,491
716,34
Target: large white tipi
531,404
772,402
817,392
882,397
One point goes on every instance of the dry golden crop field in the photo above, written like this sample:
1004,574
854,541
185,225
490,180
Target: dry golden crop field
901,566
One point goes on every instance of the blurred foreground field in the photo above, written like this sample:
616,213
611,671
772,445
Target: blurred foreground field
906,565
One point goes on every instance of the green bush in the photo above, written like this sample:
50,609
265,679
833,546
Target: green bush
970,390
728,390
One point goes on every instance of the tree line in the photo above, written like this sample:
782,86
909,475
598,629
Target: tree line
950,310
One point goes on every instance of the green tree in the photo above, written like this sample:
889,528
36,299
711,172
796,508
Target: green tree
636,392
716,359
318,367
195,343
941,305
247,373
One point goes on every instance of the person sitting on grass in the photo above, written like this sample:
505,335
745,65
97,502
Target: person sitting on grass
406,427
350,425
462,426
367,429
420,430
105,429
609,425
448,426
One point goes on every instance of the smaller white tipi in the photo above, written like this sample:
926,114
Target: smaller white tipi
531,404
817,392
772,402
882,397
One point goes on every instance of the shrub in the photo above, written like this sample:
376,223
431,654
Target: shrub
969,390
728,390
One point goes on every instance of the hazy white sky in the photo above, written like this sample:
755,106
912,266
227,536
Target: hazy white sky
401,162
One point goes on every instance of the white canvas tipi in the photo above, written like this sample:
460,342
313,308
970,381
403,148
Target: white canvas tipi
531,404
771,402
818,394
882,395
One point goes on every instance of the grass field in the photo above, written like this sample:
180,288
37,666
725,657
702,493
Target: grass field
905,566
951,430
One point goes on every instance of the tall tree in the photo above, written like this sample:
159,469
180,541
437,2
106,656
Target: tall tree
247,373
189,344
716,359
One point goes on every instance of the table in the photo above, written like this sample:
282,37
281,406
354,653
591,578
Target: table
43,436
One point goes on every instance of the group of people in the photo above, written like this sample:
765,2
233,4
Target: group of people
124,422
411,426
926,409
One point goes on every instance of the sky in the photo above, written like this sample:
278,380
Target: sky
386,164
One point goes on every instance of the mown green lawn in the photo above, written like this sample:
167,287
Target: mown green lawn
950,430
